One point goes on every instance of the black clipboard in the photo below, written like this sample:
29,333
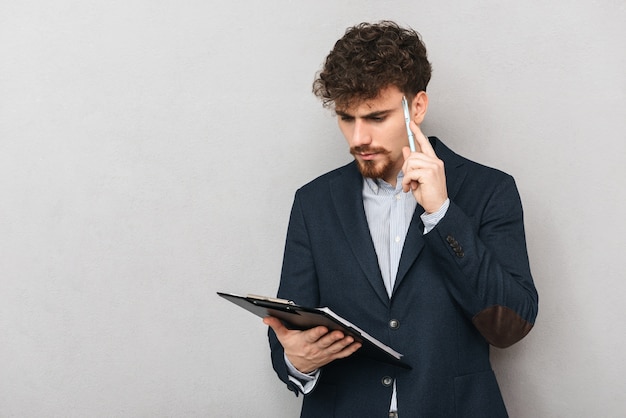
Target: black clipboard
301,317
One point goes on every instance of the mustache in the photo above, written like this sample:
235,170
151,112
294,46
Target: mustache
366,149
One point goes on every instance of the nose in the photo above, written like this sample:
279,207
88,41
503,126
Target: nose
361,135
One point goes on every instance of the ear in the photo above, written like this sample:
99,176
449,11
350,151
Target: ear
419,106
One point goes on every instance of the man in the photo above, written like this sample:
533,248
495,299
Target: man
424,250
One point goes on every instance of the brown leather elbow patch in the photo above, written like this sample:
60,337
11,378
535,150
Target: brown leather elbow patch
501,326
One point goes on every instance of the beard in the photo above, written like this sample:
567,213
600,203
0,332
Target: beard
374,169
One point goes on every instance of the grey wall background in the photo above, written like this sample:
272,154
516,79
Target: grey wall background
149,152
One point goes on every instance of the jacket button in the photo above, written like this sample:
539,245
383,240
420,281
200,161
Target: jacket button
387,381
394,324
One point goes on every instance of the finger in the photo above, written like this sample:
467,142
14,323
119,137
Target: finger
348,350
315,334
333,348
352,348
276,325
423,142
417,160
421,162
334,338
409,182
406,153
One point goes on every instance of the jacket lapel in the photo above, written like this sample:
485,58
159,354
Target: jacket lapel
347,196
455,169
413,246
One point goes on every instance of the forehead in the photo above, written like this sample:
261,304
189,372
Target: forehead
386,99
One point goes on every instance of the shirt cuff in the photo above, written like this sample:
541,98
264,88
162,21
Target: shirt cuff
304,381
431,220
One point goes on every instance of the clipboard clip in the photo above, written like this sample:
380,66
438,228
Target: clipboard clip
268,299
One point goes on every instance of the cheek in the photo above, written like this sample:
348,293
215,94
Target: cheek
397,158
400,140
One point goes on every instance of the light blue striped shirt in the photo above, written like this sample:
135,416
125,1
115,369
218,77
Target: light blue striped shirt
389,212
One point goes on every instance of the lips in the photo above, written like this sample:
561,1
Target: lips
368,156
367,153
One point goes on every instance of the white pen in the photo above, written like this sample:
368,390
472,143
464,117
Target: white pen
407,120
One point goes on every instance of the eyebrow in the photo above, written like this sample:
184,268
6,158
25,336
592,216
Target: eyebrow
376,114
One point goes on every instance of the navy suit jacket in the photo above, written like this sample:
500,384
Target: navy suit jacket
464,285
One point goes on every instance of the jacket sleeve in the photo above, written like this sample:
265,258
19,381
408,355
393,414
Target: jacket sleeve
484,258
298,282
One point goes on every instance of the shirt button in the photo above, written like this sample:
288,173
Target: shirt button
397,239
387,381
394,324
398,196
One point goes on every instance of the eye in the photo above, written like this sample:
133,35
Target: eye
346,118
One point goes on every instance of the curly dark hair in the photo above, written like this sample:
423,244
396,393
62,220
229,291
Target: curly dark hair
369,58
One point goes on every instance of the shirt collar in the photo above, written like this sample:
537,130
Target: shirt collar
376,184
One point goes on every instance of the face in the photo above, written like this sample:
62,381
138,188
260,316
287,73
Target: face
376,133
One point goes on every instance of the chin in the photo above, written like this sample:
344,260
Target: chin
372,169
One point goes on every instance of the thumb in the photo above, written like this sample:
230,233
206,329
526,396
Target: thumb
406,185
406,151
275,324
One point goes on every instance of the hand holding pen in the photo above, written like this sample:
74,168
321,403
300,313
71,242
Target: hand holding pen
424,172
